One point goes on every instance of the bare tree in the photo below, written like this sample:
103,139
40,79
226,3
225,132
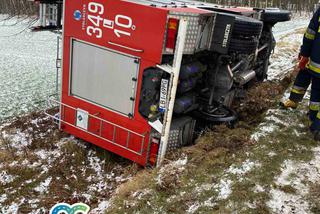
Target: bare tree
25,7
18,7
294,5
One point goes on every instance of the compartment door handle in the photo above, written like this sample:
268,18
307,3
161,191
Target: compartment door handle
125,47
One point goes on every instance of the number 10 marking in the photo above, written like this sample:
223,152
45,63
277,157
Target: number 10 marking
124,22
121,21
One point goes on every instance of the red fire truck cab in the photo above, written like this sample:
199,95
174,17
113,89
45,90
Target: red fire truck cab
138,75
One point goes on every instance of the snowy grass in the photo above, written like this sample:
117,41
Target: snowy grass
286,54
42,168
27,67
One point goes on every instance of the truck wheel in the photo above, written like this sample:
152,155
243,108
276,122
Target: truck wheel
274,16
245,46
247,27
219,116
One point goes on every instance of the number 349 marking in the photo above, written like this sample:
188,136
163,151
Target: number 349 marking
120,21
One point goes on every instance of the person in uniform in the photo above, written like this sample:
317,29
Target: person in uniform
309,73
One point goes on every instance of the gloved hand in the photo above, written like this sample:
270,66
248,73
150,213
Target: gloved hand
303,61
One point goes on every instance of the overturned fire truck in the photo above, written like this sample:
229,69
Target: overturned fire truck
140,76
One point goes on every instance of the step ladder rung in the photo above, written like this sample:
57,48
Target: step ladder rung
166,68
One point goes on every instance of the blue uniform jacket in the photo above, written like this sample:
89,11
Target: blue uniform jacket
311,44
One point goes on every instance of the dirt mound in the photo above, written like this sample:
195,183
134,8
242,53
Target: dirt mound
261,98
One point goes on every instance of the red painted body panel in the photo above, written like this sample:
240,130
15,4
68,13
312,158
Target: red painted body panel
105,24
143,36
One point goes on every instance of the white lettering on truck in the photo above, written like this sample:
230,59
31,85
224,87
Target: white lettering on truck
163,95
226,36
121,25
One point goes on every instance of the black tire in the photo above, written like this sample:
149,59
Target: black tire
245,46
274,16
247,27
223,115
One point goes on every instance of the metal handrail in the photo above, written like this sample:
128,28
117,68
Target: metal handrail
93,116
63,105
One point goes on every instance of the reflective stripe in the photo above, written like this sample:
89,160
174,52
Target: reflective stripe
309,36
298,90
314,66
310,31
314,106
315,103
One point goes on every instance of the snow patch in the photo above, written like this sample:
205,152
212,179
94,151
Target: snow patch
174,168
102,207
209,203
296,175
43,187
49,156
12,208
203,187
258,188
224,189
140,194
33,203
3,198
246,167
286,203
19,140
263,130
193,208
5,178
273,121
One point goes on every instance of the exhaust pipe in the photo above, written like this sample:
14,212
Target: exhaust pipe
244,77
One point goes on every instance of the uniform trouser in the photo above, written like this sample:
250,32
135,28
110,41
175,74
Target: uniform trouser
300,85
302,82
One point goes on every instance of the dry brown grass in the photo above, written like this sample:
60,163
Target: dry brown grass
140,181
262,97
315,198
216,143
69,170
